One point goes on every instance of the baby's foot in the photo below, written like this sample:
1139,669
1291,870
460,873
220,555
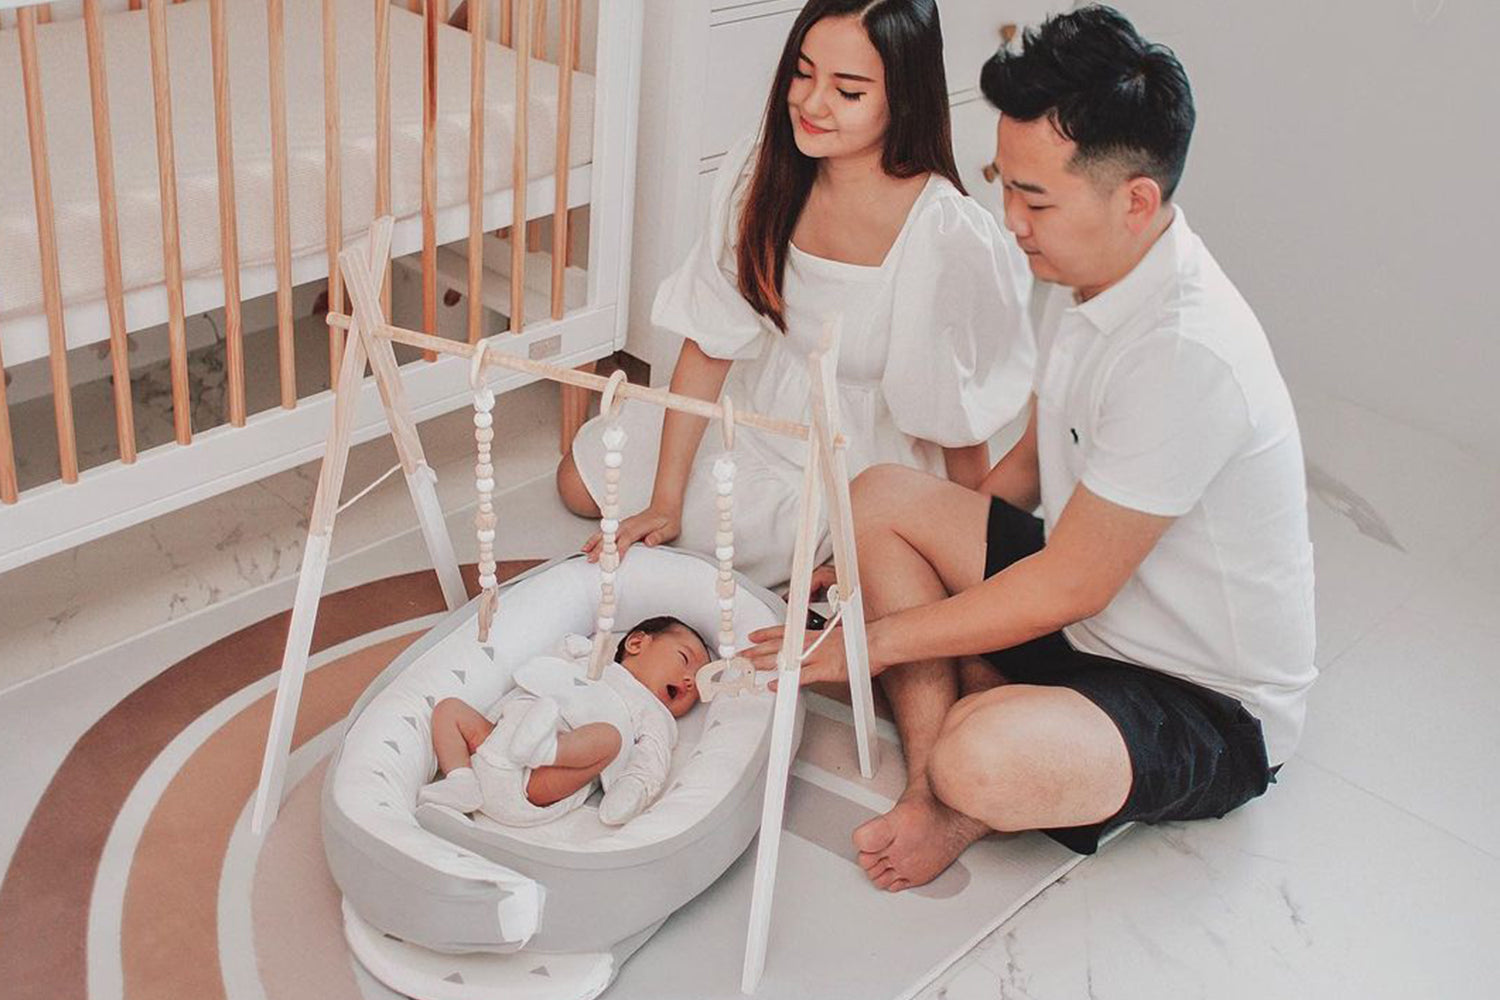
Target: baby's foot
534,743
459,790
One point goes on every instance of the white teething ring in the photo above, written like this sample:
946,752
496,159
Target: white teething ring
609,407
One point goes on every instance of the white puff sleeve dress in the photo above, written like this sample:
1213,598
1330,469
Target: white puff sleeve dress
936,352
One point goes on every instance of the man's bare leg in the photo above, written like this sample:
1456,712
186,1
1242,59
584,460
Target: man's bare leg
1026,757
920,539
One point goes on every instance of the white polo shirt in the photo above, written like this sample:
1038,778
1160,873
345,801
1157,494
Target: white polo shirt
1160,394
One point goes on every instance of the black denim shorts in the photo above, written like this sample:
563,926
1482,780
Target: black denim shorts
1194,753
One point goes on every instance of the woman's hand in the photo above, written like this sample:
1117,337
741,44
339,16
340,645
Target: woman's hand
653,526
823,577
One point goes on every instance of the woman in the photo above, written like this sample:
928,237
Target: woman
850,204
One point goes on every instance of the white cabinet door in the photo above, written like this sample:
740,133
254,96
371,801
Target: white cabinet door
974,124
744,45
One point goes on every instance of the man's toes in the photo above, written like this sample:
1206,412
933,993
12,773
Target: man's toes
879,870
874,836
886,879
869,859
898,885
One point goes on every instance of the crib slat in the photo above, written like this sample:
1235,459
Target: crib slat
429,169
109,232
560,162
518,173
9,491
36,131
166,173
333,192
383,131
507,21
477,49
285,324
229,240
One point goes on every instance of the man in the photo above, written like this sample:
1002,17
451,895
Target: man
1143,650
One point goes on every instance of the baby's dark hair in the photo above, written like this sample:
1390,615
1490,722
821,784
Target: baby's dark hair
658,624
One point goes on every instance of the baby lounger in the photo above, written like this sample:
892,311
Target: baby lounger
440,905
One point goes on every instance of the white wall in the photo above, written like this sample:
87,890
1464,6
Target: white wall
1346,173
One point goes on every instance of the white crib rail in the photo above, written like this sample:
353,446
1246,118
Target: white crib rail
82,504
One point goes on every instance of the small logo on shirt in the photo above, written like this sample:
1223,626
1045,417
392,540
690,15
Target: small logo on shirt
1073,431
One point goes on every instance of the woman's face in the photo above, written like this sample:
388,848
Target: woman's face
837,98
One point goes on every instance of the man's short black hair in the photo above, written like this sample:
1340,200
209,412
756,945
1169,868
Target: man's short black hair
1126,102
656,625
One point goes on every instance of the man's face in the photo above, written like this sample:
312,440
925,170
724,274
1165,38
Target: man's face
1074,232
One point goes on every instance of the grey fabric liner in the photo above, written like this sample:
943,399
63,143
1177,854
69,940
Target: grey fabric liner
352,835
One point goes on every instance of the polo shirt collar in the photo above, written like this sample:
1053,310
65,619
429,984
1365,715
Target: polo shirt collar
1109,310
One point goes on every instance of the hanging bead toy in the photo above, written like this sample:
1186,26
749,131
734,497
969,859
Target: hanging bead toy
484,484
609,525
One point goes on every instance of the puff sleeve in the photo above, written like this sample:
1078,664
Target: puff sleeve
962,350
701,299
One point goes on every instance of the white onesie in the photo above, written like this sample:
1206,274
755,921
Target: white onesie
552,694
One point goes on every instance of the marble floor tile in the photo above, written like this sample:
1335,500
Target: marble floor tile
1359,581
1318,890
1408,714
969,979
1429,494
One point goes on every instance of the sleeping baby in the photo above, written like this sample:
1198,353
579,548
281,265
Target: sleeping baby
555,734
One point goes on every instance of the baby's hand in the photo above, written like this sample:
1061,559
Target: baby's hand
624,801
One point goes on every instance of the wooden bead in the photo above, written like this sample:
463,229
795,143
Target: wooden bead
484,470
726,588
724,538
725,504
484,521
611,476
484,435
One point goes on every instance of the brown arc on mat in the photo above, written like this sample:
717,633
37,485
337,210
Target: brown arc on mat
169,943
46,894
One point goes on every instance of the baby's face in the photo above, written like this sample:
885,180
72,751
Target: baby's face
667,663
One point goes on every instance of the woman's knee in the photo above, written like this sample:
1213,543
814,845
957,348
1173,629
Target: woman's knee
572,489
879,494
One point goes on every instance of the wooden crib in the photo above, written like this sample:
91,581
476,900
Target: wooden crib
165,160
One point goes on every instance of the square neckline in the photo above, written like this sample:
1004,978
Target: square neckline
890,254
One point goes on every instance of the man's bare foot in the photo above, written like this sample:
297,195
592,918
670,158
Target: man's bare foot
913,843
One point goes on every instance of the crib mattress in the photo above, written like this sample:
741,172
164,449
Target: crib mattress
62,56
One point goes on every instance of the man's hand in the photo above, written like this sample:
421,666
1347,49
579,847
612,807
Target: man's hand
827,663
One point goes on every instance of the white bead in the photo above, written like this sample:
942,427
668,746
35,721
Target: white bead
605,624
607,577
726,604
725,489
484,435
483,419
609,525
486,536
487,580
726,651
610,562
724,552
485,485
612,460
615,437
724,468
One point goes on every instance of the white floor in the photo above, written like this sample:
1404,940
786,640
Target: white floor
1370,870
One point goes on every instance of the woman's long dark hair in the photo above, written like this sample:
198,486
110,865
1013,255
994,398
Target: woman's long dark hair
918,140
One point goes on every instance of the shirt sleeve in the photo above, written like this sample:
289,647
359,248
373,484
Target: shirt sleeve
701,300
1170,418
962,350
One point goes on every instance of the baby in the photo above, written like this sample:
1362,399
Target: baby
548,745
